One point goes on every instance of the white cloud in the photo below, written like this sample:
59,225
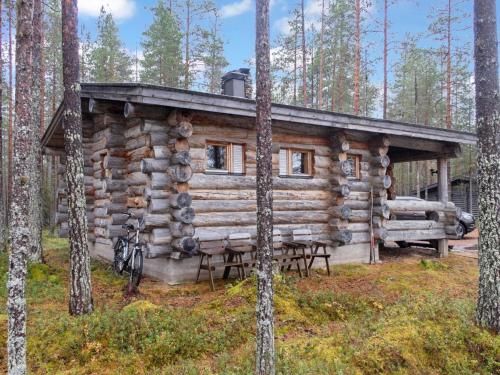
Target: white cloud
237,8
120,9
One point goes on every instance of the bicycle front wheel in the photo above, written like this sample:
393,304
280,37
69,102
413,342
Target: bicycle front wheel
136,270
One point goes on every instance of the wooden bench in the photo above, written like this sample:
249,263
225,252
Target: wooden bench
285,253
215,245
304,239
240,245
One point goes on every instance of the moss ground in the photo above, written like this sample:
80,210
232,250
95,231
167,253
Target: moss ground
413,316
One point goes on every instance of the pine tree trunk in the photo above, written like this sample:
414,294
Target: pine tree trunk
448,72
265,306
22,181
321,56
80,298
357,57
188,35
304,58
3,211
10,141
385,59
488,128
35,254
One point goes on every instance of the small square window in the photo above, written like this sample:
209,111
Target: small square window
295,162
355,161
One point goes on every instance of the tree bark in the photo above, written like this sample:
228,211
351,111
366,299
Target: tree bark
3,210
35,254
9,173
488,128
265,356
22,182
304,57
357,56
321,56
80,298
385,59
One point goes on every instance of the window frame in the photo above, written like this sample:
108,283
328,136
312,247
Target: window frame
289,163
229,158
357,166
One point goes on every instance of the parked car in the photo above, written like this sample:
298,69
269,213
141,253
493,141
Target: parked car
466,221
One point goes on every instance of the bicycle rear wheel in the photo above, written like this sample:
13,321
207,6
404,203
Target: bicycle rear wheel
136,272
118,260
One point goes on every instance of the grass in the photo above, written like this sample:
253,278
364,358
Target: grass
408,317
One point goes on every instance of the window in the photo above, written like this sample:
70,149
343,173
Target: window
295,162
225,158
355,161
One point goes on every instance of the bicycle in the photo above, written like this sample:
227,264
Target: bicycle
126,259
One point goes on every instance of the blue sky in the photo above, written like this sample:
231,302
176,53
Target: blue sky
238,22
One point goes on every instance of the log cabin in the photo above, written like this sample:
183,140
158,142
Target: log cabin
185,161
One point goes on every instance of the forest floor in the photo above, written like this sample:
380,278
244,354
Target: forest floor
410,315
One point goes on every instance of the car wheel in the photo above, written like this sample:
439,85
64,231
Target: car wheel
402,244
461,231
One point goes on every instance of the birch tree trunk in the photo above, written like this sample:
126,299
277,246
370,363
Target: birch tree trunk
265,307
22,182
488,128
35,254
80,296
9,136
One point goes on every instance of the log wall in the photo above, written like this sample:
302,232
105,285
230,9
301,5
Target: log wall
227,203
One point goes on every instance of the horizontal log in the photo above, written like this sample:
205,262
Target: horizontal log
152,193
114,162
341,212
401,205
203,206
137,154
150,165
161,152
158,138
156,220
161,236
178,145
415,235
159,206
412,224
319,231
182,158
359,216
250,194
114,185
156,251
453,230
342,190
178,229
185,215
133,131
137,178
249,218
159,180
203,181
180,200
149,126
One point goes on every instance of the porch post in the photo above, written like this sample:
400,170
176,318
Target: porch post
443,197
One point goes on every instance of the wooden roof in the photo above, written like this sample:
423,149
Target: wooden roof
404,136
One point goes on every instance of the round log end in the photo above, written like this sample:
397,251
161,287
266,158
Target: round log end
345,190
345,212
387,181
186,245
345,167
